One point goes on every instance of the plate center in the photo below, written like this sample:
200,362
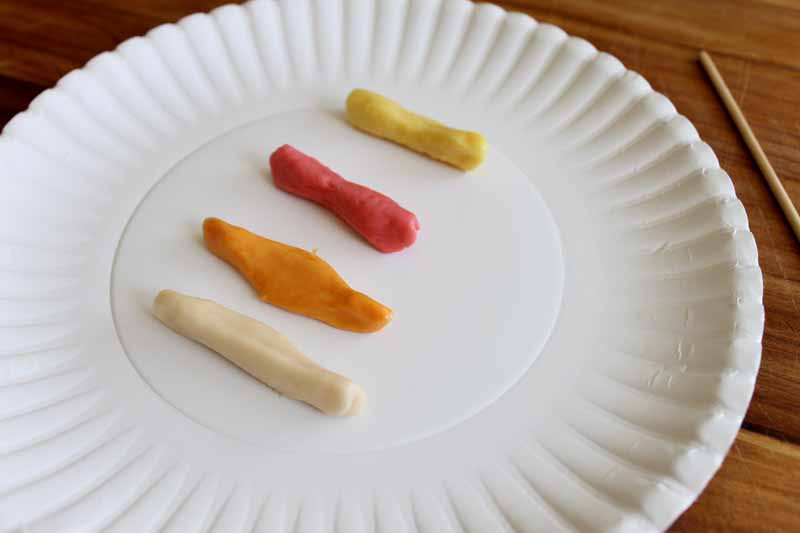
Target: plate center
474,299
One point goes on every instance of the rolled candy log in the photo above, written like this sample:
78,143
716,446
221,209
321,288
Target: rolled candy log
259,350
294,279
379,219
379,116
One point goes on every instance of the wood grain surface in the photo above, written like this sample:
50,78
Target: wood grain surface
756,45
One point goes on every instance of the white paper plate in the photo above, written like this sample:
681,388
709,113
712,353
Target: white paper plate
577,330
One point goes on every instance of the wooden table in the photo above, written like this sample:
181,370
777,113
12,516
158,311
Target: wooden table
756,44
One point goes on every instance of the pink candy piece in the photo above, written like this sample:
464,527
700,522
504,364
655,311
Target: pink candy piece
379,219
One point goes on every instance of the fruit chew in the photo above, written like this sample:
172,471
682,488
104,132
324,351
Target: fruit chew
379,219
294,279
384,118
260,351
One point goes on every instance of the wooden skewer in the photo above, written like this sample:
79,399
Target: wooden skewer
770,176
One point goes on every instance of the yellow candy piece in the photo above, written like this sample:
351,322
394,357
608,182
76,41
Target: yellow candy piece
375,114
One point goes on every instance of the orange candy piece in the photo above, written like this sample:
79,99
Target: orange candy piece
294,279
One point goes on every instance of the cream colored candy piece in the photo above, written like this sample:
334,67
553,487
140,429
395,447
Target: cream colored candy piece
385,118
259,350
